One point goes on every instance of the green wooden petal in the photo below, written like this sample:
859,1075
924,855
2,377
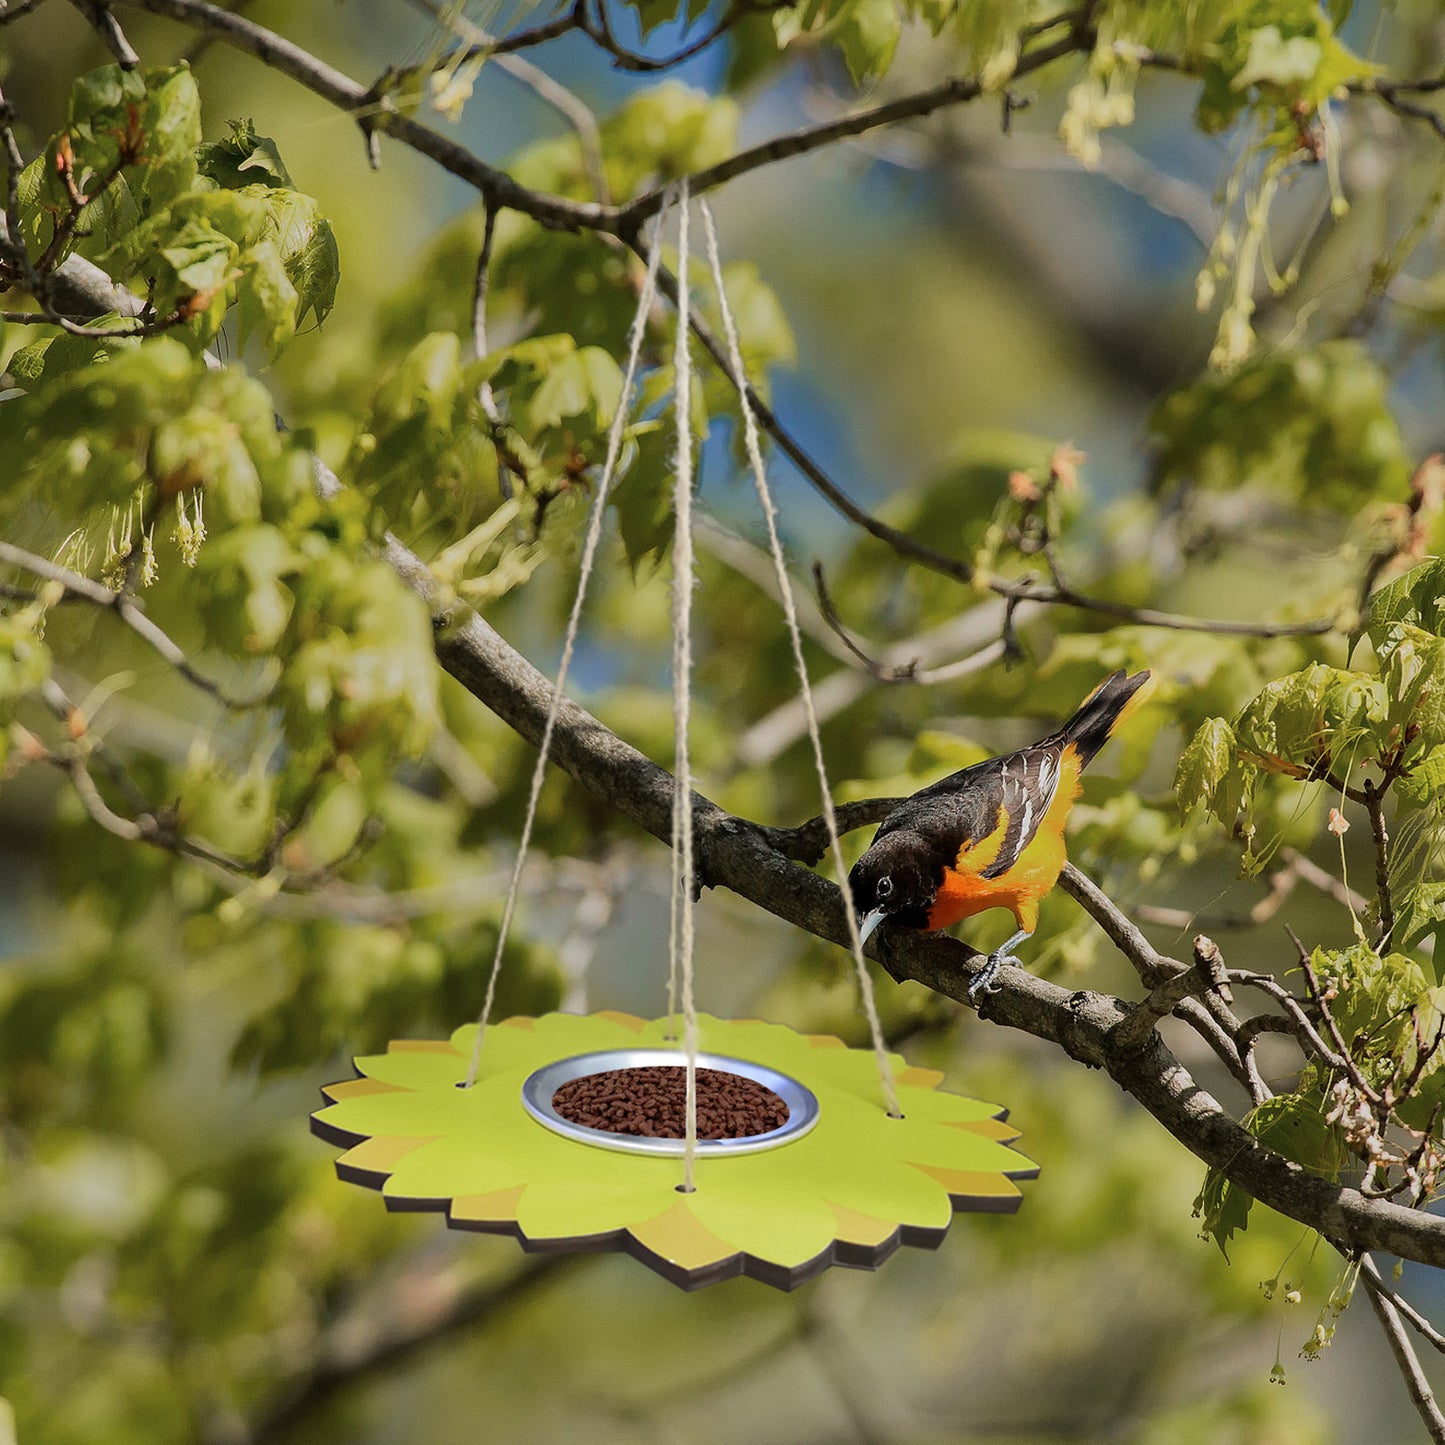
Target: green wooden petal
858,1170
414,1069
786,1229
454,1167
409,1113
958,1149
584,1205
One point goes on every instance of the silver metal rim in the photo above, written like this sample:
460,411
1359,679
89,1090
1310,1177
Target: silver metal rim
539,1087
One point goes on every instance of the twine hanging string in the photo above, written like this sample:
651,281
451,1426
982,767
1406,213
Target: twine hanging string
569,643
790,612
680,952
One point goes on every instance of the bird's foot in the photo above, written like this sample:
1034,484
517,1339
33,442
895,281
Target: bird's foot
985,981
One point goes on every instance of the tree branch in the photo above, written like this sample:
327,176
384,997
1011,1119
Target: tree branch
567,103
17,8
375,112
130,613
99,16
1404,1352
365,1344
1375,805
737,854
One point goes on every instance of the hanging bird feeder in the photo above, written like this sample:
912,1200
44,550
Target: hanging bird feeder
841,1183
567,1132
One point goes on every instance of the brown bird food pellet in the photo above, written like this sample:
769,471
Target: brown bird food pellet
652,1103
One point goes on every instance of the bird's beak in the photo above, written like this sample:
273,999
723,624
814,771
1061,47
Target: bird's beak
868,923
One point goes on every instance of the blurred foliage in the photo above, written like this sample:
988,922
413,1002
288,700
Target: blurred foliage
177,1262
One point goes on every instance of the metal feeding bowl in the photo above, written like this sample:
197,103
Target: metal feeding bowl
540,1086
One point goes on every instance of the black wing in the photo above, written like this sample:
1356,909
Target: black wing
964,807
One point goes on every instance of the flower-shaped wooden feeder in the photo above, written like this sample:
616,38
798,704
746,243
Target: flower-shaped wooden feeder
848,1189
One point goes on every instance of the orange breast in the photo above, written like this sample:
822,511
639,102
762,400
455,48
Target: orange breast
964,893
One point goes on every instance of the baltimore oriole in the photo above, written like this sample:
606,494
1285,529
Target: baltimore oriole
991,836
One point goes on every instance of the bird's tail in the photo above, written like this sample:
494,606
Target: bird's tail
1102,711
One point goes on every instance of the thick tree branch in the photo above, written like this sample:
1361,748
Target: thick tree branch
739,855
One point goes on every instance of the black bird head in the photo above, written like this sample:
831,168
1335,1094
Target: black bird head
895,880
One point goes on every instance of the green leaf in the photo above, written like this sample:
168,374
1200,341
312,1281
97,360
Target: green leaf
586,381
243,159
170,118
235,812
1418,912
1292,1125
1413,667
249,602
1424,783
201,258
53,357
652,13
1223,1209
24,658
643,499
867,32
1204,764
265,299
1313,426
308,249
1374,996
666,130
425,383
1283,728
1417,598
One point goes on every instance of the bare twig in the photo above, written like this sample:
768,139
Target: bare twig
977,629
1134,1030
748,560
599,31
1375,806
16,8
1327,1017
1310,1039
1296,869
540,34
130,613
911,549
369,1343
1231,1052
909,671
1310,872
108,28
52,317
1407,1311
1281,884
567,103
1393,94
1404,1352
1152,966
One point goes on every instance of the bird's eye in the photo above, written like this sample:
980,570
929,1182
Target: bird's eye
885,887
